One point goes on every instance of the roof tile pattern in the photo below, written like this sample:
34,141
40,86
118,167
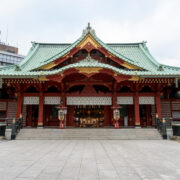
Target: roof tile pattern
136,53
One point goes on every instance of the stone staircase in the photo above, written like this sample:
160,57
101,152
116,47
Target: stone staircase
89,134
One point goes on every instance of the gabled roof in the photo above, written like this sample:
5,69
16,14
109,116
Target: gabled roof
136,54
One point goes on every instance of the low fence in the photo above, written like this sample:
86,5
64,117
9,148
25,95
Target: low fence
15,124
162,124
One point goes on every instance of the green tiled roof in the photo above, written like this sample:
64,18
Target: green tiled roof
13,73
134,53
39,53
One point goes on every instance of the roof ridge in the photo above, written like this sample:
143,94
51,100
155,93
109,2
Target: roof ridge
145,50
168,66
46,43
31,53
115,52
7,67
84,34
135,43
69,47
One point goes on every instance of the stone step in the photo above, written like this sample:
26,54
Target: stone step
87,134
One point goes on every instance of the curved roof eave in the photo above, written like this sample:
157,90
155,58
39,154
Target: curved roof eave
148,54
31,52
65,51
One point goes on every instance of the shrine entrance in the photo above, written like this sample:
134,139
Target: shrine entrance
89,116
145,116
51,116
32,115
126,116
89,111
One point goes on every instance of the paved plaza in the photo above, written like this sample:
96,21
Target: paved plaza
89,159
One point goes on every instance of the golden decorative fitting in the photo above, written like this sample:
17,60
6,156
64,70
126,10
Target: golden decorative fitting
43,78
88,39
137,123
130,66
134,78
48,66
88,70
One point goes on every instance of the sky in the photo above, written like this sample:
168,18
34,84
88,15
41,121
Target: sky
114,21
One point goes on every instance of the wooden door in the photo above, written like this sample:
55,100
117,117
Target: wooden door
145,115
51,116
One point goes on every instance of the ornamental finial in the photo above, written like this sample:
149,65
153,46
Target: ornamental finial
89,29
89,26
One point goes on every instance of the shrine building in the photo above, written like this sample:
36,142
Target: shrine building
89,80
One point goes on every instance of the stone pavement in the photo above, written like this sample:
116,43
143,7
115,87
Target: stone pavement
89,159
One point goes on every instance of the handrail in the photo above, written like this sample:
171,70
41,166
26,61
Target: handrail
8,121
17,124
161,125
13,123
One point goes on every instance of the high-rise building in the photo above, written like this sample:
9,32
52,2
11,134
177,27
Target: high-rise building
9,55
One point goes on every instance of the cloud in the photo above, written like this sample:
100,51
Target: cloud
160,30
9,7
156,21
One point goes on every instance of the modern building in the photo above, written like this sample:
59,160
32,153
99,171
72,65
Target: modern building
90,82
9,55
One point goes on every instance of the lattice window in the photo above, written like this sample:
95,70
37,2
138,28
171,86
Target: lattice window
52,100
124,100
89,101
146,100
29,100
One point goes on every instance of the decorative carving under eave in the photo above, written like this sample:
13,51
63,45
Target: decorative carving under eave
89,47
117,60
130,66
48,66
134,78
119,78
43,78
88,70
56,77
156,80
88,39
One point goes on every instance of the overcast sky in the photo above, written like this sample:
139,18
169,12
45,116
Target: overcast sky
115,21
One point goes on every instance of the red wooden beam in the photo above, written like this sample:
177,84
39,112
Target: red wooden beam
136,109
